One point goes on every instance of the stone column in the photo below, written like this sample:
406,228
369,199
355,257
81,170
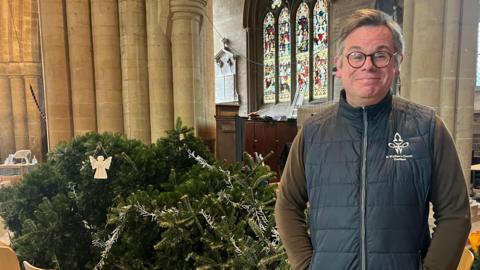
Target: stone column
19,107
186,54
81,66
35,35
466,83
7,137
4,33
206,100
108,76
16,34
405,68
57,88
449,57
133,44
28,28
34,121
441,72
426,57
159,69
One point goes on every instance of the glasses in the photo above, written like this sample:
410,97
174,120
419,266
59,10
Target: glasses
379,59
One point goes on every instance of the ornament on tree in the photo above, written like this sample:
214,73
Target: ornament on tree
101,165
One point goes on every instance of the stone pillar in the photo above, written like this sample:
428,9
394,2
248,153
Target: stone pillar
7,137
81,66
449,57
405,70
133,44
4,33
19,106
108,76
466,83
187,17
159,69
441,72
34,121
28,26
35,35
426,57
57,88
16,34
206,101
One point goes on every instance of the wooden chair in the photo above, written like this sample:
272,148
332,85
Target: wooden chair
8,259
30,267
466,260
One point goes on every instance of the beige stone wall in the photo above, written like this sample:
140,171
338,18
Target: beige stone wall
20,122
228,20
106,59
128,66
441,72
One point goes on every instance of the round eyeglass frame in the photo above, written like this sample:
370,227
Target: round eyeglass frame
390,55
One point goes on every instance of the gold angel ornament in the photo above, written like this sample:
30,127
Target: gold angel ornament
101,165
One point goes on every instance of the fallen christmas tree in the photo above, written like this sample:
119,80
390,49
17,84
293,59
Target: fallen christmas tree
168,205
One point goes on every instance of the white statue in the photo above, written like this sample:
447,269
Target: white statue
101,165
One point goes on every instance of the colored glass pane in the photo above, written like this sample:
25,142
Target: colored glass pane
320,49
284,53
269,59
302,46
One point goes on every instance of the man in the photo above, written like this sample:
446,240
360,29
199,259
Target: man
368,166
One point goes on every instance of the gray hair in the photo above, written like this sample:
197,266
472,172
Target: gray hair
371,17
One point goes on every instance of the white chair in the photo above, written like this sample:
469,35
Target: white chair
30,267
23,155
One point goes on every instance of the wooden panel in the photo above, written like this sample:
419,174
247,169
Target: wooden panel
225,140
226,136
263,137
249,137
270,143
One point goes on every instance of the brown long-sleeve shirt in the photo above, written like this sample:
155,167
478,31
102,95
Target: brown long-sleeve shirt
448,195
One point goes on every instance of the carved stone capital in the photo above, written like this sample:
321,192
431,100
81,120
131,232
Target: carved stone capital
187,9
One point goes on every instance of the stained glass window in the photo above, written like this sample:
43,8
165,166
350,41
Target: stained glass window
320,49
303,38
269,59
307,25
284,55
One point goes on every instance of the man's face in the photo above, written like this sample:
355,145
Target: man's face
367,85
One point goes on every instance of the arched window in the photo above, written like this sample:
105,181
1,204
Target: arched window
320,50
269,59
295,39
284,55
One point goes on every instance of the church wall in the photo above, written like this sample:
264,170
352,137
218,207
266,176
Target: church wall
20,68
228,20
127,66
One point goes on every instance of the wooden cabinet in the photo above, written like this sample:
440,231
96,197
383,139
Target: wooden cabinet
264,136
226,131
